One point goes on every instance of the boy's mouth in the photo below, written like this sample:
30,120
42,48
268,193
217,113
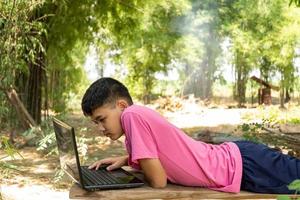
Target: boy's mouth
106,134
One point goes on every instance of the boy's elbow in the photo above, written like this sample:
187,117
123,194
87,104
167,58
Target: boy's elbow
158,185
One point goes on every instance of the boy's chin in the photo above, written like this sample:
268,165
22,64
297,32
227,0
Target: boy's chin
113,137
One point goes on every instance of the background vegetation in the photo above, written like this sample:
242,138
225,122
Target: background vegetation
44,45
155,47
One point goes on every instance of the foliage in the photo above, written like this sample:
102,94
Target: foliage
251,131
5,112
295,185
8,148
275,115
249,29
45,140
69,32
59,174
199,48
267,117
255,132
11,152
142,35
296,2
20,42
260,40
145,38
27,30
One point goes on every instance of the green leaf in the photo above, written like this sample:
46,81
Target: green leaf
295,185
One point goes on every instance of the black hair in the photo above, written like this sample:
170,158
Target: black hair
104,90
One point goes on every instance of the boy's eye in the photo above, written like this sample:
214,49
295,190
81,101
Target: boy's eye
100,120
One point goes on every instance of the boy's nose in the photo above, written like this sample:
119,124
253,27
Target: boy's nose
100,127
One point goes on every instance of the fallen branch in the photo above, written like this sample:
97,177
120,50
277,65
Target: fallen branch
24,116
292,142
280,134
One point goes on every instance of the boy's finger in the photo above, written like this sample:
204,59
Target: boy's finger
98,165
91,166
112,167
109,168
94,165
103,165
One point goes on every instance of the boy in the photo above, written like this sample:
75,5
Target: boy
163,152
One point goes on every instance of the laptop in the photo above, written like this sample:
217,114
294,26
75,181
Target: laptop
88,179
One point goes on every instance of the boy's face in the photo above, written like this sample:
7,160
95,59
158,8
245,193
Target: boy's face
108,119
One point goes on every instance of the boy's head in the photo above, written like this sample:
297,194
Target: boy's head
104,101
102,92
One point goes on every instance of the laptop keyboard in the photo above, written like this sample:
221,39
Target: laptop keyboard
98,177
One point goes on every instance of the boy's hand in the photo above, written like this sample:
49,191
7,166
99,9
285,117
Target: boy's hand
113,162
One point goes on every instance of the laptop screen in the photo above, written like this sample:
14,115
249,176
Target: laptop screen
66,150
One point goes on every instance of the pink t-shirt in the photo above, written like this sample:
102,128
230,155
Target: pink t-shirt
186,161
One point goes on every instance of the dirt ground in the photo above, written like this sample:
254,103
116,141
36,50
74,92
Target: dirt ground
34,178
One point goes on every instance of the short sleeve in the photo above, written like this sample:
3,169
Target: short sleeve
140,141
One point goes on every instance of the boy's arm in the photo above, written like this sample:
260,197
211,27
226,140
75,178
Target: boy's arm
154,172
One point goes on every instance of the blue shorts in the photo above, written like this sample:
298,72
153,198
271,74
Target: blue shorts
266,170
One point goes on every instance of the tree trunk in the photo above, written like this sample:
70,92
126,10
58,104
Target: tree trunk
148,84
34,91
46,97
35,82
282,93
241,87
30,85
204,81
241,80
211,67
25,118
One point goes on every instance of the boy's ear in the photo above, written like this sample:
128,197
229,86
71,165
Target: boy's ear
121,103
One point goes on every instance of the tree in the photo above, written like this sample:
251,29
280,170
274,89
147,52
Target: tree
283,54
21,43
27,53
143,35
52,49
255,29
200,25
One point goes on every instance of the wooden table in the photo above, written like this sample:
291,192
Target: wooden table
170,192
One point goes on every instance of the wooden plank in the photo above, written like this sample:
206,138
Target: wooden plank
170,192
268,85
